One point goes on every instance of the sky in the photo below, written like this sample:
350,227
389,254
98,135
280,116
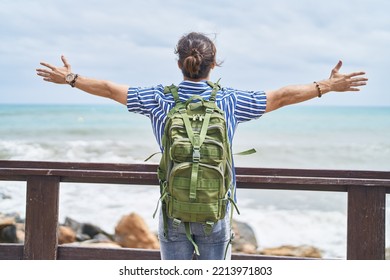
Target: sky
263,45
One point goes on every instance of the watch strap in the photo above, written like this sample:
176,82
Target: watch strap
73,82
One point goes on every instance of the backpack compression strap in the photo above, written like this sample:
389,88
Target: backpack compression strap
196,141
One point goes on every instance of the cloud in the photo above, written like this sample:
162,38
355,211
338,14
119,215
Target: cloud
264,44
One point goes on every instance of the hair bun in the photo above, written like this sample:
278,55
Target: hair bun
196,55
195,52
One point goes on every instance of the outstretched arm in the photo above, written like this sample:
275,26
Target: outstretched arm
102,88
298,93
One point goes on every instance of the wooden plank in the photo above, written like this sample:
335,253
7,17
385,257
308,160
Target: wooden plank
152,176
67,252
324,173
366,223
92,176
243,181
11,251
41,218
78,165
236,256
247,171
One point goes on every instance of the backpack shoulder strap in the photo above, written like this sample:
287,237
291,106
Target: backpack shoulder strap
216,87
174,90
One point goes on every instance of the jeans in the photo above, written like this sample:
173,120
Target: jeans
176,246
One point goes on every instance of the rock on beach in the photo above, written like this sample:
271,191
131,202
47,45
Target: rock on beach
132,232
11,228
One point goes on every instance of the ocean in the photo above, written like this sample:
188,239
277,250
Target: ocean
315,137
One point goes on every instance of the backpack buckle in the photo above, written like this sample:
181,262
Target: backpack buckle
196,155
176,223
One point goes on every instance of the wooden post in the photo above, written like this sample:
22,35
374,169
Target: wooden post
41,237
366,223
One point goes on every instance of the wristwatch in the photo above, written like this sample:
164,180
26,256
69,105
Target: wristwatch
71,79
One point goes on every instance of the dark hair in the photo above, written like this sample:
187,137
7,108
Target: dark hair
196,55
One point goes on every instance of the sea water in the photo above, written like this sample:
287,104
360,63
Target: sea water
352,138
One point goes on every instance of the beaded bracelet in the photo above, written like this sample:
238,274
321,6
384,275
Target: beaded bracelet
319,89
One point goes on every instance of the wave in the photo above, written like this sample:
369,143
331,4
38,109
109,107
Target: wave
76,150
277,154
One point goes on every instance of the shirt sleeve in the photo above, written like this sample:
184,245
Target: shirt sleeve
250,105
142,100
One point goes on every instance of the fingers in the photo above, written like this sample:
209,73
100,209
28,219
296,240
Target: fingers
45,74
42,71
51,67
354,89
338,65
336,68
66,63
358,81
355,83
354,74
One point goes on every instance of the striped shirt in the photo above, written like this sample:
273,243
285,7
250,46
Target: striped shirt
239,106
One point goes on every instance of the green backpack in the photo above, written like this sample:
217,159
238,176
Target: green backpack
195,171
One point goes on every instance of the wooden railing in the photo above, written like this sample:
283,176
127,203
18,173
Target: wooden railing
366,204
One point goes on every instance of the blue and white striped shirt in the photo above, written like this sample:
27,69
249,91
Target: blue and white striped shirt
239,106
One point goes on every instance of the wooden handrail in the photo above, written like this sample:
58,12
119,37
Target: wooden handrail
254,178
366,202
